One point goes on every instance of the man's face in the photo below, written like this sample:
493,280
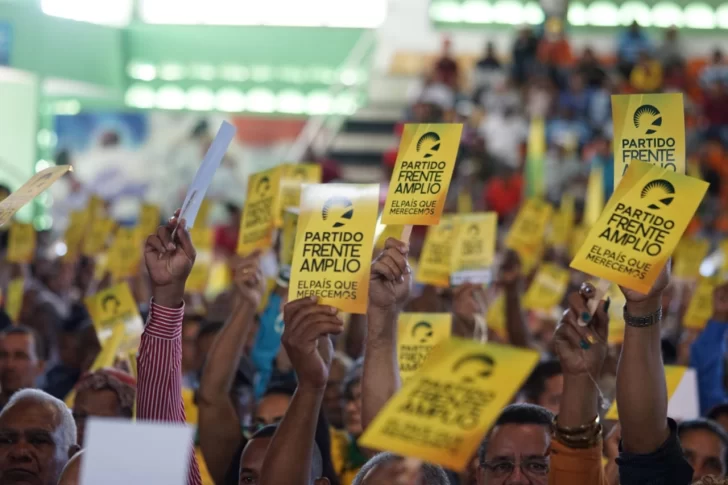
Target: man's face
517,454
704,451
550,398
94,403
19,364
31,445
251,461
271,409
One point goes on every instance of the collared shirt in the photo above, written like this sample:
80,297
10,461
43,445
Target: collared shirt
159,367
570,466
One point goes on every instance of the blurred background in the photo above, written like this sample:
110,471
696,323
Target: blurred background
131,92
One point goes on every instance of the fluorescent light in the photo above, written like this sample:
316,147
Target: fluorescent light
170,97
508,12
234,73
446,12
140,96
230,100
142,71
603,14
699,16
476,12
69,107
261,74
203,72
41,165
721,16
261,100
46,138
318,103
114,13
345,104
171,72
577,14
533,13
666,14
635,11
200,99
290,101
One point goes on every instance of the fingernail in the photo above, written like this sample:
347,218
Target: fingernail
606,304
332,310
591,338
584,345
401,279
404,249
170,247
586,317
313,297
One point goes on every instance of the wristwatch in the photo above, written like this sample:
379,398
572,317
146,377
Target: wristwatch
643,321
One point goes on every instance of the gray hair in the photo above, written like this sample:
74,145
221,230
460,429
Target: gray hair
432,474
67,423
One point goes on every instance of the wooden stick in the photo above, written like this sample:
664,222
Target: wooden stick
602,287
406,233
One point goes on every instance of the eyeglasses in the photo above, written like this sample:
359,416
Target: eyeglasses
533,467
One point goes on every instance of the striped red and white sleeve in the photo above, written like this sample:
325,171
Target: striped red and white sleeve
159,369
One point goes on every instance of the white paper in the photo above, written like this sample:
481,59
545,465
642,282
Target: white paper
122,452
683,405
203,177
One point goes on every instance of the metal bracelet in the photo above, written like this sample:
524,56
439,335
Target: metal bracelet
644,321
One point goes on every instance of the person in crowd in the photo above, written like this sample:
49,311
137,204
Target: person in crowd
107,393
646,75
671,52
488,71
346,455
226,235
705,445
707,352
576,97
545,385
202,344
71,474
21,361
603,158
716,71
446,67
37,438
341,365
719,414
590,69
389,468
504,134
191,364
630,44
523,55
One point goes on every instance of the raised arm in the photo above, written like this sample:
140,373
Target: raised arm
511,280
159,361
219,424
306,339
389,288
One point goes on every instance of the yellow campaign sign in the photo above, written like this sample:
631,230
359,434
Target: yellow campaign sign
110,348
562,222
700,308
288,241
260,212
219,279
473,249
673,375
21,243
203,240
75,232
334,244
387,231
526,235
125,254
648,128
95,241
111,306
417,334
293,176
441,414
96,208
495,318
435,260
689,255
640,227
149,219
464,202
616,314
29,191
422,174
547,288
578,236
14,298
594,203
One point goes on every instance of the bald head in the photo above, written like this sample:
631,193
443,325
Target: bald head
72,472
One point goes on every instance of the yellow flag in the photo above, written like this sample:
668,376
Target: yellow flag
443,412
203,240
334,244
260,212
125,254
648,128
95,241
293,176
640,227
30,190
528,231
21,243
689,255
219,280
473,249
73,237
14,299
700,308
112,306
288,241
594,203
562,222
422,174
149,219
417,334
435,260
673,375
465,202
547,288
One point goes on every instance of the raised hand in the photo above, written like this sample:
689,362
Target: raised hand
306,340
510,271
582,350
391,277
639,304
169,262
469,302
249,280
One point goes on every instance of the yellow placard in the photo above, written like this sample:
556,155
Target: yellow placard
96,208
203,241
111,306
422,174
417,334
673,376
689,255
547,288
700,308
125,254
270,286
594,203
640,227
578,236
473,249
14,298
562,222
465,202
293,176
334,244
95,241
150,217
288,241
393,231
495,318
110,348
648,128
261,210
528,231
442,413
219,280
21,243
74,235
616,314
435,260
29,191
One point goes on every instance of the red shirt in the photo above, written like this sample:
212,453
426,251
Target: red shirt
503,195
159,368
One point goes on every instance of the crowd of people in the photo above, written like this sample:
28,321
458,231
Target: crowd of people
280,391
